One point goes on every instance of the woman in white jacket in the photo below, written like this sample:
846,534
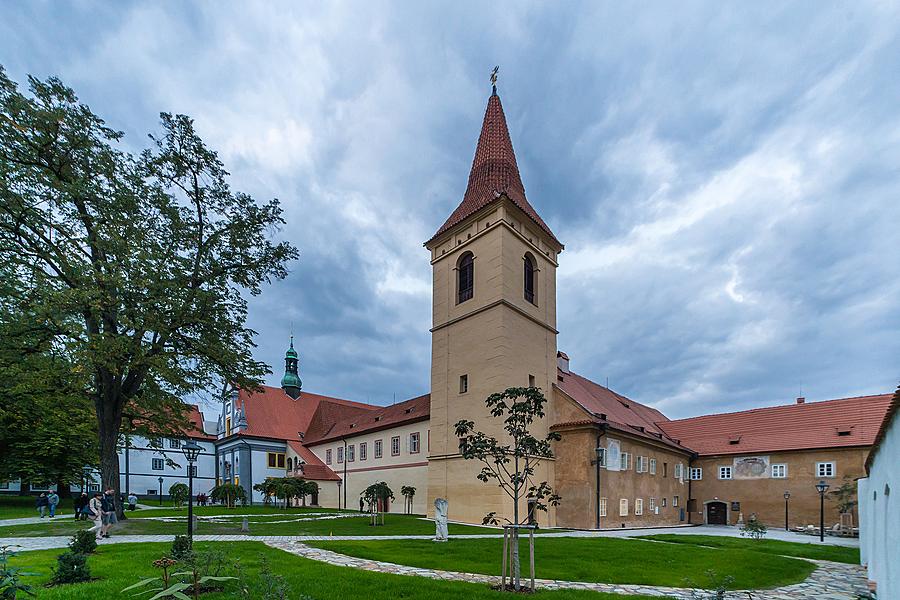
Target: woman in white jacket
96,514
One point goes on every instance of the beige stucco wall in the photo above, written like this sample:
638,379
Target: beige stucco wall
408,468
765,495
497,339
576,481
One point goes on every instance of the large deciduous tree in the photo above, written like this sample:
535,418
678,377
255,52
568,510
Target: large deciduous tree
48,432
136,264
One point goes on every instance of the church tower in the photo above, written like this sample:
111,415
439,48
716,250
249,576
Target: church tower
494,318
291,383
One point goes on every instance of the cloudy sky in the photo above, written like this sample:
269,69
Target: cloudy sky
726,177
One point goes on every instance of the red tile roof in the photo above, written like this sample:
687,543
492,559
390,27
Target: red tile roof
790,427
494,172
313,467
273,414
196,419
410,411
603,405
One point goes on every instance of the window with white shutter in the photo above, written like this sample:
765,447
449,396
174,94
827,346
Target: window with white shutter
623,507
639,506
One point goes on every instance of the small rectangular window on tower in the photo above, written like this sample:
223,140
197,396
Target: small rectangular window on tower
463,384
531,381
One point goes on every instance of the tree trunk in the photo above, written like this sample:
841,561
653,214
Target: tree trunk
109,459
517,572
62,488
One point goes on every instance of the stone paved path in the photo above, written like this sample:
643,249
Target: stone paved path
830,581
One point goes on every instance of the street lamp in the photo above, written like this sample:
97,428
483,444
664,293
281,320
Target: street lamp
822,487
191,451
787,496
160,480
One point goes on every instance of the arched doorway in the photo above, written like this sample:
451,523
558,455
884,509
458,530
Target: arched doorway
716,513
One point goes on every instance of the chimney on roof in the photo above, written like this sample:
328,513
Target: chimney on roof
801,400
562,361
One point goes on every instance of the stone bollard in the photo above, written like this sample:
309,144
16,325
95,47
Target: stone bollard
245,525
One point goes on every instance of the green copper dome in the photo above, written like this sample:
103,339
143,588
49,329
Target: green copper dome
291,383
290,380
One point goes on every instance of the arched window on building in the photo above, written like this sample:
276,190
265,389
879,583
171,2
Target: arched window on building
529,286
465,277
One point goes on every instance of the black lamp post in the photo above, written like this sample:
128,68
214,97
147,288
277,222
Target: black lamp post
787,496
160,480
822,487
191,451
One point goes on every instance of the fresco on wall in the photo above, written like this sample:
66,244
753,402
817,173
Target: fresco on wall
613,454
751,467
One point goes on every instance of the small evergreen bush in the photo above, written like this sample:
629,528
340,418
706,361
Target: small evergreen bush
754,528
71,568
181,547
83,542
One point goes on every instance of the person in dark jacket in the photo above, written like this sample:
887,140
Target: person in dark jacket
108,506
80,504
42,504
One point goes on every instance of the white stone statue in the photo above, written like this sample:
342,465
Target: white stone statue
440,520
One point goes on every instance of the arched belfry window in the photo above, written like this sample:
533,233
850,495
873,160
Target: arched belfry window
529,276
465,277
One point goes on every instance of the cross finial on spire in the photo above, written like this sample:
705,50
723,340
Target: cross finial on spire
494,78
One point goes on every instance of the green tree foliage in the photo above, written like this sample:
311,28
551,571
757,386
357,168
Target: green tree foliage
228,494
179,493
48,432
511,462
844,496
136,264
377,496
408,491
268,489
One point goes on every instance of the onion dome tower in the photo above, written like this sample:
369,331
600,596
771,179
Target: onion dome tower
291,383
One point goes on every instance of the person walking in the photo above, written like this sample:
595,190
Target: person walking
95,514
42,504
52,501
132,501
81,506
108,507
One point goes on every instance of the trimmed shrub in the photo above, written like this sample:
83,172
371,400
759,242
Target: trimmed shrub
181,547
71,568
83,542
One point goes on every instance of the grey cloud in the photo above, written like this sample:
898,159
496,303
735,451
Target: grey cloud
724,178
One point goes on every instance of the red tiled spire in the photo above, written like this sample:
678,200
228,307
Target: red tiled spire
494,172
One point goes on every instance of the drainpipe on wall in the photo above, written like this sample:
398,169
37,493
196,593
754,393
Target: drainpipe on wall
345,472
597,462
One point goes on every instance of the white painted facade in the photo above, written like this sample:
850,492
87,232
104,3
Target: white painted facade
142,466
879,514
408,466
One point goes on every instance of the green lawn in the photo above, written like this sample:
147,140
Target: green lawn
609,560
14,507
118,566
259,525
802,550
167,511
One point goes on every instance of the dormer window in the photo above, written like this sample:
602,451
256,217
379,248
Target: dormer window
465,278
